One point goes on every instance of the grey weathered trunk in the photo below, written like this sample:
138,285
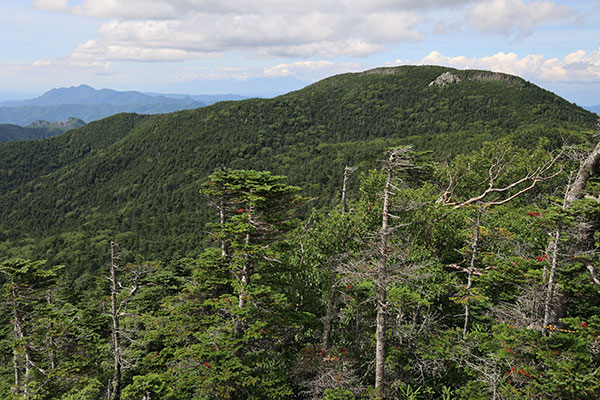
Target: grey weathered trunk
222,224
244,278
116,334
331,303
21,383
471,271
555,249
381,284
551,275
347,172
588,167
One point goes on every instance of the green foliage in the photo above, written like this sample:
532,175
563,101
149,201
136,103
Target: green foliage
138,176
338,394
254,296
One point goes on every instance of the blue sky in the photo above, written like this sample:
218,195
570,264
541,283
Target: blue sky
158,45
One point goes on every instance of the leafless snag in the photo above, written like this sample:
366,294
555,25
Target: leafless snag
494,195
398,159
347,172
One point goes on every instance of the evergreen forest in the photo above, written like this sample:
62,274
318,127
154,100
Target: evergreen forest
371,236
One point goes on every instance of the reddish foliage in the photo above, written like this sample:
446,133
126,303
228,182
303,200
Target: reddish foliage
532,214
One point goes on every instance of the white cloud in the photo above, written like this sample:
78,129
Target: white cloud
312,70
515,17
309,34
296,68
176,30
576,67
52,5
168,9
45,68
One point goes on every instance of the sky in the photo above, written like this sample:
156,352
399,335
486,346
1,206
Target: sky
163,45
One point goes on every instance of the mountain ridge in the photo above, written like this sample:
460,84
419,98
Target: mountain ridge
39,129
136,177
89,104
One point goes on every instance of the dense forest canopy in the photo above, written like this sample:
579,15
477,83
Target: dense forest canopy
429,242
136,178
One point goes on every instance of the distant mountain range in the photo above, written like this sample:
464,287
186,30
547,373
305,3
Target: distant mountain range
37,130
89,104
595,109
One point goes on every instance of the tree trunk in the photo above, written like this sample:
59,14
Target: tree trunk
116,335
588,167
21,384
550,285
381,285
470,272
222,223
244,278
347,172
331,303
555,249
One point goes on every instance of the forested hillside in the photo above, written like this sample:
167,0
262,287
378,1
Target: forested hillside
430,241
37,130
138,181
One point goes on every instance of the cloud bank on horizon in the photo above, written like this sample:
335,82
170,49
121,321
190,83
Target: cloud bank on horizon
554,42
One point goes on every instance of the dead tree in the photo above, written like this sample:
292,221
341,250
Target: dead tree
493,194
124,284
331,297
115,390
471,272
555,248
397,160
589,167
496,194
347,172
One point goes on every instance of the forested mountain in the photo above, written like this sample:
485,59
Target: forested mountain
89,104
37,129
23,115
441,272
137,176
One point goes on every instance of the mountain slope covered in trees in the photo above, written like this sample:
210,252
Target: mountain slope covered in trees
463,267
37,129
137,176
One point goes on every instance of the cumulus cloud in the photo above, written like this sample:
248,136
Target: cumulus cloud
180,29
48,67
296,68
577,67
168,9
515,17
175,30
